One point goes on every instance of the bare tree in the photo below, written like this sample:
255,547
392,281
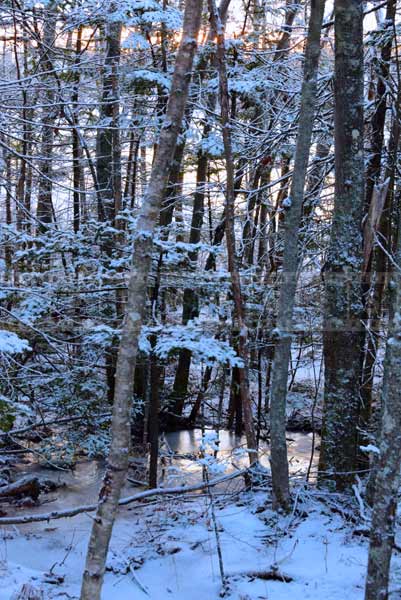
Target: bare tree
233,263
106,167
387,481
375,257
343,291
292,223
117,463
45,202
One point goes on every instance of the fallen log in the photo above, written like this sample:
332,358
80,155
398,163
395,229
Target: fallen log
270,575
72,512
26,486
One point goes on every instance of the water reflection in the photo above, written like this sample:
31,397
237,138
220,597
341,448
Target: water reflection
232,452
180,452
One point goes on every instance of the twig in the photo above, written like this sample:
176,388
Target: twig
138,583
47,423
72,512
217,535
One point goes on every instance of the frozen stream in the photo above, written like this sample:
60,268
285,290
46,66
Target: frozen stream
81,484
34,551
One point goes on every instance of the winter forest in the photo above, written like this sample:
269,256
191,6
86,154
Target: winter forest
200,299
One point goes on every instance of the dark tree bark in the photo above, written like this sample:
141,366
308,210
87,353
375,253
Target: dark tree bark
375,257
233,263
190,309
76,146
235,420
108,171
44,209
387,482
105,167
200,396
154,420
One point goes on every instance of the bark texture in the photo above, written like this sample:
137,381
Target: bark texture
293,217
44,209
117,463
388,468
108,128
343,291
375,257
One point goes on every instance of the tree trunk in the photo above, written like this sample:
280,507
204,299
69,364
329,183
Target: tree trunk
117,463
378,255
8,247
233,264
381,261
108,172
293,216
105,167
76,146
44,209
343,297
190,309
235,406
153,424
201,394
388,471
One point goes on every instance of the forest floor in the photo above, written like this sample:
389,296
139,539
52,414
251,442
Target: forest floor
167,548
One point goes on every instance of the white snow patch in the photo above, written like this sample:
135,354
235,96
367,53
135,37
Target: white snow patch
171,547
10,343
370,448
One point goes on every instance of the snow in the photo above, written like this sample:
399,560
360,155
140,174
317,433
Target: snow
153,77
192,337
370,448
10,343
171,547
213,145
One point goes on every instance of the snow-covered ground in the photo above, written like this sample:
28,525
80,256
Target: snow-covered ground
167,549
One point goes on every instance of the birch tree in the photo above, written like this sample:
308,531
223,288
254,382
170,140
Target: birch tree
117,462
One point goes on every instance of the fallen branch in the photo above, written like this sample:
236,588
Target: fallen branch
72,512
47,423
26,486
136,482
272,575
